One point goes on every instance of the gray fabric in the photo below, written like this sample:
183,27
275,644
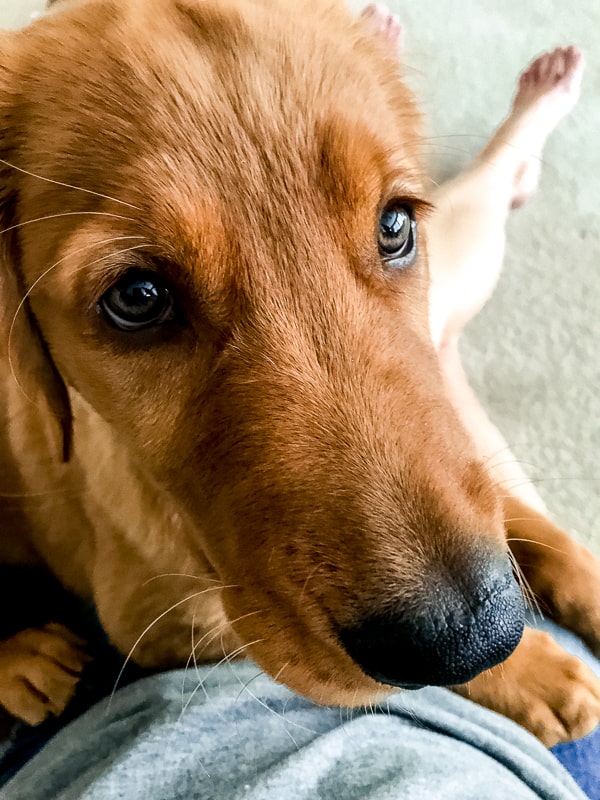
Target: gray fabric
240,735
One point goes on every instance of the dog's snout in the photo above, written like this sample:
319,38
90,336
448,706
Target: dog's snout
462,627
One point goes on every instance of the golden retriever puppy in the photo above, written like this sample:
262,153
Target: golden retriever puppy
225,419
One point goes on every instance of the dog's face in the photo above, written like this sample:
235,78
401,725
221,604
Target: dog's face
238,285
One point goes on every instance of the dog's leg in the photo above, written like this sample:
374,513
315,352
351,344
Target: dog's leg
39,671
542,687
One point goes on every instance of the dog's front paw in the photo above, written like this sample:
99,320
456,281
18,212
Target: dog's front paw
574,596
543,688
39,671
562,575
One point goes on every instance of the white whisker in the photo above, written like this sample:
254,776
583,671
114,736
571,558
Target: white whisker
44,275
213,633
525,586
286,722
533,541
180,575
66,214
225,658
148,628
68,185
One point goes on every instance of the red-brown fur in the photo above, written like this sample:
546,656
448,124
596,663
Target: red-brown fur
290,443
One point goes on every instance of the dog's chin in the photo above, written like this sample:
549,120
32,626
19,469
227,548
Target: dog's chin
330,682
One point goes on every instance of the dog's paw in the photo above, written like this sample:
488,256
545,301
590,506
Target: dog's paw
573,597
543,688
39,671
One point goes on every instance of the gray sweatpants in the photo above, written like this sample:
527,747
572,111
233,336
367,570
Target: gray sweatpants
230,732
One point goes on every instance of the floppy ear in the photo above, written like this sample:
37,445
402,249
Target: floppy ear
30,363
21,342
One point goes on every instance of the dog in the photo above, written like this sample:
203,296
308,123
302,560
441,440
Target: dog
230,418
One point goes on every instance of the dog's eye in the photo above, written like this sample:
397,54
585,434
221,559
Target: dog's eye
138,300
397,236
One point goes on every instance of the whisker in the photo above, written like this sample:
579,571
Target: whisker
225,658
31,495
148,628
310,575
481,136
180,575
536,481
66,214
353,706
534,541
286,722
214,632
68,185
193,628
280,671
44,275
490,465
524,585
495,453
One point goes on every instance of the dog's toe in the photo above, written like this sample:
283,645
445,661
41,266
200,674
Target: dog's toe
543,688
39,672
568,707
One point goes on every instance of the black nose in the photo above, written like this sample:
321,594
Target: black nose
458,629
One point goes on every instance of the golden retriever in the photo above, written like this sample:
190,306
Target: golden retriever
222,408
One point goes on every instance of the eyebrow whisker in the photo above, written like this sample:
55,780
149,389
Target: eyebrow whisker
65,214
68,185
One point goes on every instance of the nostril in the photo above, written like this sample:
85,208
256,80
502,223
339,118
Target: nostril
459,630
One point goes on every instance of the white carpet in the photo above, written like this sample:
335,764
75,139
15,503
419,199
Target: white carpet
532,353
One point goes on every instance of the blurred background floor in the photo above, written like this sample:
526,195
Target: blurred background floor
533,352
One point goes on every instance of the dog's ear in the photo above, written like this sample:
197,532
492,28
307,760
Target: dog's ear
30,363
22,345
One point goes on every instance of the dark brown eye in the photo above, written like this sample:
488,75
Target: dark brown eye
397,236
138,300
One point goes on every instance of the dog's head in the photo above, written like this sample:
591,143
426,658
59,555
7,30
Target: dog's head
230,268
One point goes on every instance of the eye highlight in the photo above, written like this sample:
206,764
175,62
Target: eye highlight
139,300
397,236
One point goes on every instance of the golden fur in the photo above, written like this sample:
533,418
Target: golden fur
283,451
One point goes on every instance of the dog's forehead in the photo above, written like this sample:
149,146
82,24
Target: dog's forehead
236,85
206,115
258,112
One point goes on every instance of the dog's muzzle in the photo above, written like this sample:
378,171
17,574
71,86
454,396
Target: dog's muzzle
463,626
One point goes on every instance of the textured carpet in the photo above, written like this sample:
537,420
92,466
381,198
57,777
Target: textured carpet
532,353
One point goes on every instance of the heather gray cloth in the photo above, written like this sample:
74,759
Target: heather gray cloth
243,736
